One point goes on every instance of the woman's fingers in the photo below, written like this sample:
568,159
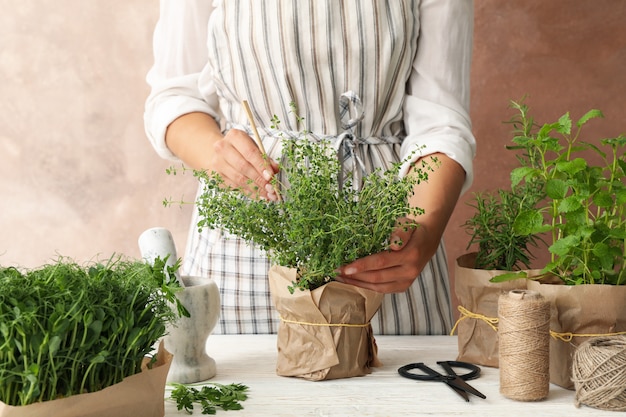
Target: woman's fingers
389,271
240,163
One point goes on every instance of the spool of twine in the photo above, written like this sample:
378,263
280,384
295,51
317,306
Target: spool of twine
524,345
599,373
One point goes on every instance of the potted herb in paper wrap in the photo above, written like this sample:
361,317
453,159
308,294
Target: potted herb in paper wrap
584,216
78,340
321,222
480,277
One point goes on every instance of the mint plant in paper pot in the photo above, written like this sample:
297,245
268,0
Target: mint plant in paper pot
583,214
323,220
78,340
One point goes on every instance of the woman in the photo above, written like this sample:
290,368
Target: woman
400,67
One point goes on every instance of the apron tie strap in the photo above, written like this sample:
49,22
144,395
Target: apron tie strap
350,113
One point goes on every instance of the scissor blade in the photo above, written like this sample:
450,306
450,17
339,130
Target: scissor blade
458,390
465,387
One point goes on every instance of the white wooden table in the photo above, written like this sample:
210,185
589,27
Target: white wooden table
251,360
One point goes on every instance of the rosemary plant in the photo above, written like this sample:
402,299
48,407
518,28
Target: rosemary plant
492,229
66,329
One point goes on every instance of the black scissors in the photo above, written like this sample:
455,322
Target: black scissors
452,379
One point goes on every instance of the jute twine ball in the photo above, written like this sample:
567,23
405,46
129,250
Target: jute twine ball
599,373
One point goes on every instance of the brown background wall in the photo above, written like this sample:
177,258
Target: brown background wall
79,179
564,55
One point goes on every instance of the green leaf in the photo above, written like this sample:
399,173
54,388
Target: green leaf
565,124
569,204
620,196
603,252
95,328
563,246
4,330
100,358
591,114
54,345
545,130
622,165
618,233
556,189
572,167
584,231
529,222
522,173
603,199
183,397
34,369
508,276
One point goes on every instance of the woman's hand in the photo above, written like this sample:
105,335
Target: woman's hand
240,163
197,140
412,248
394,270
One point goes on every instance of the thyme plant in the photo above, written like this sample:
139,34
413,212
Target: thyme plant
67,329
322,222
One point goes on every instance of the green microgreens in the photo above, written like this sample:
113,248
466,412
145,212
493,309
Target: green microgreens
66,329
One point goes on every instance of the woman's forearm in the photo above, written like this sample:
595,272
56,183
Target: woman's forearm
438,196
197,140
192,137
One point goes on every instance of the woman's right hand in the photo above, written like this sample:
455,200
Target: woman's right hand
197,140
241,164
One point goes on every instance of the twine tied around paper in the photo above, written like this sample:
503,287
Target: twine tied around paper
599,373
567,337
524,345
466,314
306,323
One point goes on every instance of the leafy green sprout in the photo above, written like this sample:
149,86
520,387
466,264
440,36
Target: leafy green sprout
66,329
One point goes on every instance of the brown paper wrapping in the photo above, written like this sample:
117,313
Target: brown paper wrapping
140,395
312,341
477,338
578,313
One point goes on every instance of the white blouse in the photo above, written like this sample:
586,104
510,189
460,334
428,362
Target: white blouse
428,107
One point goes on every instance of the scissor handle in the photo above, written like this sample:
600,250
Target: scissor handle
430,374
474,371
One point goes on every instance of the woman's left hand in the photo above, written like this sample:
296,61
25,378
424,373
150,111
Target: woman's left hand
394,270
412,248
